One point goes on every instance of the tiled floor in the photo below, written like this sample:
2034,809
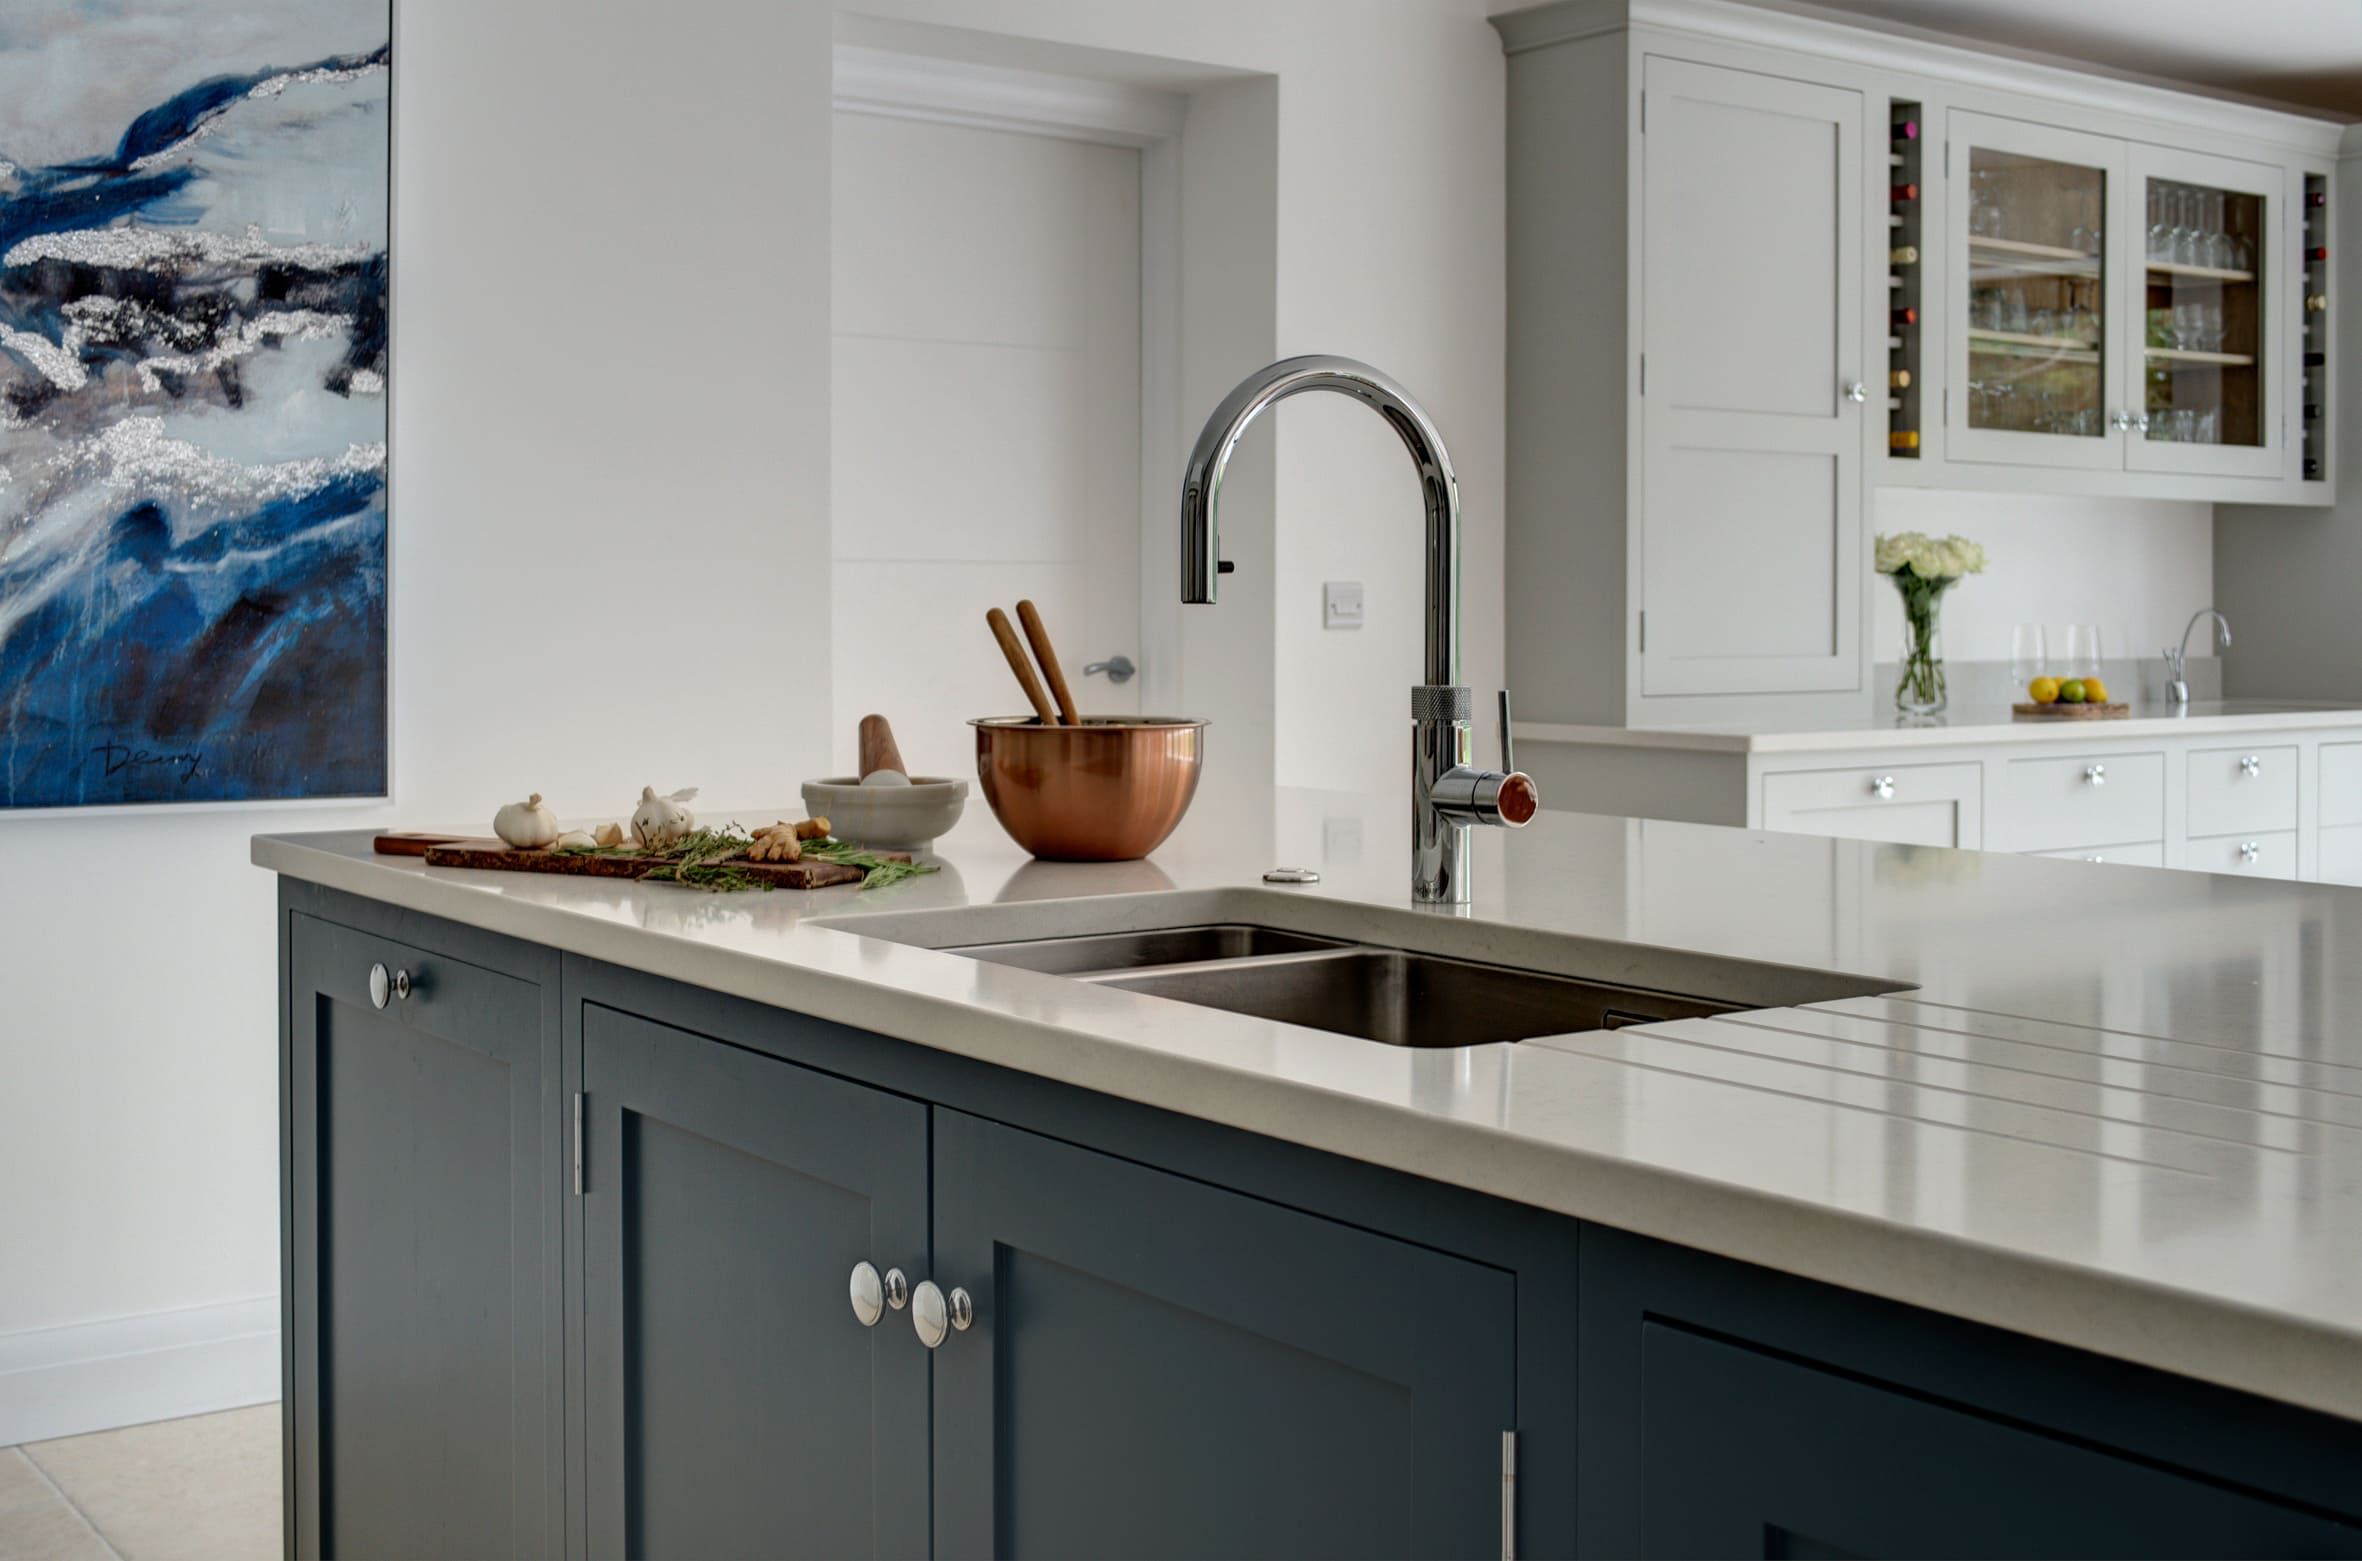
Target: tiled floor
202,1488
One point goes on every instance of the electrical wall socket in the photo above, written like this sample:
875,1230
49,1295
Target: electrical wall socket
1340,604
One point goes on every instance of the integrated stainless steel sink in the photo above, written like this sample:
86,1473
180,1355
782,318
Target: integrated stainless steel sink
1392,996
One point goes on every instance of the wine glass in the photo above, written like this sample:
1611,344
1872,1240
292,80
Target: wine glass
2029,653
2081,656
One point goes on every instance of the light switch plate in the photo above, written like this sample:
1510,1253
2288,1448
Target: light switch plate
1340,604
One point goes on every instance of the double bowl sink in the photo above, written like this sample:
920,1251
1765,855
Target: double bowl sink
1324,979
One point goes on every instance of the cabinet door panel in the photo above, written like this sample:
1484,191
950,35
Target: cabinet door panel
1161,1367
1751,482
733,1403
425,1164
1749,1454
1911,804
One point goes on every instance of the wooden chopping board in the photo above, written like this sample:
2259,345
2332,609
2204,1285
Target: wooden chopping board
2067,712
493,856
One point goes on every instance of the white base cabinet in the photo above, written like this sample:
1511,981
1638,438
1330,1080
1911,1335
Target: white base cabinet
2280,804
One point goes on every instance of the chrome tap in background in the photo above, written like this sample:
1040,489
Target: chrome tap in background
2177,657
1447,793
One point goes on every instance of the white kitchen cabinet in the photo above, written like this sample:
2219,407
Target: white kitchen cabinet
2265,854
2341,854
2145,853
2242,790
1714,240
1911,804
1751,546
2094,796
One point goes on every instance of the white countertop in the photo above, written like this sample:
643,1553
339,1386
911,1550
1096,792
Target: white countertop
1957,727
2123,1110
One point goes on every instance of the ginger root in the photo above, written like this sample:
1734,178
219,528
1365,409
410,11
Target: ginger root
777,844
812,829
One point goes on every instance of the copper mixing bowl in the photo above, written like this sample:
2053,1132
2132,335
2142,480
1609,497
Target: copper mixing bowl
1109,790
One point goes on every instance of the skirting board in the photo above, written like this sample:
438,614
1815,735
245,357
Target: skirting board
129,1370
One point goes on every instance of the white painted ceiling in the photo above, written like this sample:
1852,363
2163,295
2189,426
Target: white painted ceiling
2305,52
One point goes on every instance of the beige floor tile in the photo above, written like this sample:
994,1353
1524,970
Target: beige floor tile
177,1490
36,1524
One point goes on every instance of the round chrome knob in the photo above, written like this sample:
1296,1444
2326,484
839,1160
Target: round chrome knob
873,1293
1882,786
1857,392
935,1315
2095,857
2120,421
2141,423
2253,764
2249,850
385,987
2095,775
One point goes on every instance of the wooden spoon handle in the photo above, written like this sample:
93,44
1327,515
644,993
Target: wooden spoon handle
1039,637
879,751
1006,632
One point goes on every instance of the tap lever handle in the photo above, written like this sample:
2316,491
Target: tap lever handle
1508,741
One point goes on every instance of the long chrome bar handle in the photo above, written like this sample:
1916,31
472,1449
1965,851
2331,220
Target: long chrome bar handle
1508,740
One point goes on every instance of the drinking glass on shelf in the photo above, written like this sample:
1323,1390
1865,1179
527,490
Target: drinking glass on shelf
2185,226
2085,240
2014,316
2029,653
2160,223
2081,655
2218,242
2210,426
2211,319
2039,322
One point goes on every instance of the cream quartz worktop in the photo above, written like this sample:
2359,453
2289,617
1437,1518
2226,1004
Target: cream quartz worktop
1964,725
2122,1110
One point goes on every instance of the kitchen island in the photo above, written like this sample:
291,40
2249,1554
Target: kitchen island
1999,1205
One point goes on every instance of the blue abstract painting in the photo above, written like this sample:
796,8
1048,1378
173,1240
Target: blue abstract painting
193,236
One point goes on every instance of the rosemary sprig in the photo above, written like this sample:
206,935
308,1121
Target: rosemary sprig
707,859
877,871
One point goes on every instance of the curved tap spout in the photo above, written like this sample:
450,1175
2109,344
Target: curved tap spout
2177,657
1201,486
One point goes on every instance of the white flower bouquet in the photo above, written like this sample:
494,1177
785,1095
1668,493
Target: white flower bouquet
1923,568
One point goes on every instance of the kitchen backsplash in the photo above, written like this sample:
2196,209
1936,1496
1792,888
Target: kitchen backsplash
1984,685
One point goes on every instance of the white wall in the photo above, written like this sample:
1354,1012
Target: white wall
1390,246
611,350
2136,567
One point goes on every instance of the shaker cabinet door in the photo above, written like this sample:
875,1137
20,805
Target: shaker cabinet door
1158,1367
1752,338
421,1251
734,1403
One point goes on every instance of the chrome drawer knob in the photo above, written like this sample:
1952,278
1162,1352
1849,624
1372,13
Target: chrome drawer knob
935,1315
2095,775
1882,786
872,1293
1857,392
387,987
2253,764
2249,850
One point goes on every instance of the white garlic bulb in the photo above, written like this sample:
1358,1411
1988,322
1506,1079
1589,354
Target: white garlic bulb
526,825
659,822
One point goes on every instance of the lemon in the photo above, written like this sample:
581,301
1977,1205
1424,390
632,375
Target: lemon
2095,691
2073,692
2044,691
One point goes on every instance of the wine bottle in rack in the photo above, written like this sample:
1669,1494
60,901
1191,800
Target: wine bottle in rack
1900,379
1907,315
1910,192
1906,130
2312,468
2316,302
1903,255
2316,199
2312,411
2317,252
1903,439
2314,360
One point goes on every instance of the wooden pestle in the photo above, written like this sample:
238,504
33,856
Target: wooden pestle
878,748
1038,636
1006,632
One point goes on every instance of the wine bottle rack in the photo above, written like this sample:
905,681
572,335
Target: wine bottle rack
2313,333
1906,308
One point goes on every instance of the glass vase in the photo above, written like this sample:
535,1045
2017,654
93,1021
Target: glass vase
1920,688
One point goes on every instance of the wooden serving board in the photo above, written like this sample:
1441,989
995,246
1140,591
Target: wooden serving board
2067,712
493,856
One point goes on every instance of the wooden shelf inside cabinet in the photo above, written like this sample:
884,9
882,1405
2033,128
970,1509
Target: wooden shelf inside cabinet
2167,268
2020,344
2016,257
2187,358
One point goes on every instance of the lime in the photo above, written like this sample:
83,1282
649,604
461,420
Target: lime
2073,692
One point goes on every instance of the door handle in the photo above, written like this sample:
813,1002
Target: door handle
936,1315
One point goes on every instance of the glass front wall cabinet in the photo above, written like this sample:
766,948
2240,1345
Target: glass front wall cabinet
2035,377
2208,323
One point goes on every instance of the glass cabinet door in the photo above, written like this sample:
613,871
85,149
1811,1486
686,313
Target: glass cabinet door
2208,316
2035,377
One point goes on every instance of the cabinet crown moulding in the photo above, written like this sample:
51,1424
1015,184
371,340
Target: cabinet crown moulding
1934,57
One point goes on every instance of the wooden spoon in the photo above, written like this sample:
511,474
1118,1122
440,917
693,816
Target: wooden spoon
1006,632
1039,637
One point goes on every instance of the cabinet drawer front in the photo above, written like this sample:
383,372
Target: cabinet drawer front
1910,804
2341,784
2341,854
2263,855
2235,789
2148,853
2054,804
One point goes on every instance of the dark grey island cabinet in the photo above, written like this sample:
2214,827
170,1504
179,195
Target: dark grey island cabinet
580,1260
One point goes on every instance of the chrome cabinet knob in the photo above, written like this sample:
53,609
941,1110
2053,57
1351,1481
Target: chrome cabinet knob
387,987
1882,786
2120,421
936,1315
2253,764
2141,423
872,1293
2095,775
2249,850
2095,857
1857,392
